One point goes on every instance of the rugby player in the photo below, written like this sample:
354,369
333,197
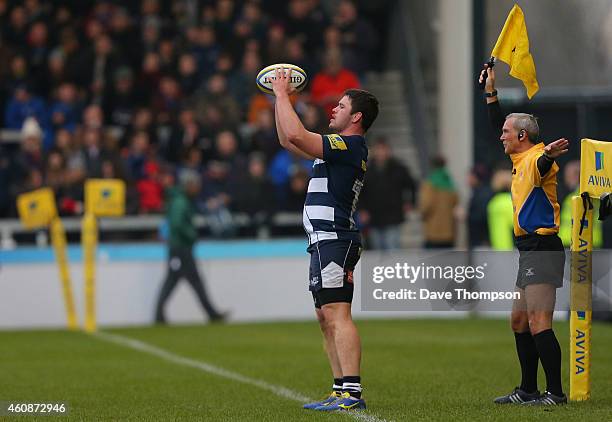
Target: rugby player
340,161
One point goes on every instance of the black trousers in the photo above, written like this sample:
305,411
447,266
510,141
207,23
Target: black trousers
181,264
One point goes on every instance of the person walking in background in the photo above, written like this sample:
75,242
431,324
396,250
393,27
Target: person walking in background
181,238
500,213
437,201
389,191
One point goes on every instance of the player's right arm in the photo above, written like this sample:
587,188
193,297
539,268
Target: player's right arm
496,117
284,141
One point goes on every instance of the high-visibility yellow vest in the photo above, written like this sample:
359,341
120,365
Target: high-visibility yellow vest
501,221
565,229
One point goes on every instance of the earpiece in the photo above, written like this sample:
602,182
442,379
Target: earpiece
521,134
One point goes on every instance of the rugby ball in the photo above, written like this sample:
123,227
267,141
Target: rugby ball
267,74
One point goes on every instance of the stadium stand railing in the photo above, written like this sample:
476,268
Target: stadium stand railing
8,136
148,224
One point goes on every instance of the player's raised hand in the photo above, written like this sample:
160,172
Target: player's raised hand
557,148
280,84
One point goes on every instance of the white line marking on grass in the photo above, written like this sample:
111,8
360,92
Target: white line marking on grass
203,366
221,372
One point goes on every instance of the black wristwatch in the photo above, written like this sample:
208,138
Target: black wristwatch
491,94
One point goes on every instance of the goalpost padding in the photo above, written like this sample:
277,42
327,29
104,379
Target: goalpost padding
580,301
37,209
595,172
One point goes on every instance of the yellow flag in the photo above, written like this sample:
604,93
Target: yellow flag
512,47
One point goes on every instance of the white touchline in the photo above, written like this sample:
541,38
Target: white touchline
221,372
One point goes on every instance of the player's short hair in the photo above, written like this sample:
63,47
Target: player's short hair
526,122
364,102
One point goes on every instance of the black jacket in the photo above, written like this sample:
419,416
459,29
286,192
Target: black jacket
386,189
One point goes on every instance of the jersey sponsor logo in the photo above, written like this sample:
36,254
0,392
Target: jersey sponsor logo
357,186
336,142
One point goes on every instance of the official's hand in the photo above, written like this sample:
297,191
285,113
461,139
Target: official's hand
280,84
557,148
490,84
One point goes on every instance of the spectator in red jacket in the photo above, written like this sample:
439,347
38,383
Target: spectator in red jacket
329,84
150,189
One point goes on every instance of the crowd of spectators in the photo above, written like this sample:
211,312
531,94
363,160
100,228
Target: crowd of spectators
142,90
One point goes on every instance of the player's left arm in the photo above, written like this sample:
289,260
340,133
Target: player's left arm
551,152
288,121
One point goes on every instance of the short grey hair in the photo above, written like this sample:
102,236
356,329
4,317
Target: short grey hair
526,122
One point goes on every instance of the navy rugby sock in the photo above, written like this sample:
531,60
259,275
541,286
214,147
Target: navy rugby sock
352,385
337,386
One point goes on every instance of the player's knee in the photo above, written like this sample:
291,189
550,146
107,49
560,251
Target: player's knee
321,318
329,326
333,318
539,321
537,327
519,322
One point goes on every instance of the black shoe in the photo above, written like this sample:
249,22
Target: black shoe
220,318
517,396
547,399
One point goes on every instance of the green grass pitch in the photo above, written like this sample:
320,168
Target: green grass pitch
412,370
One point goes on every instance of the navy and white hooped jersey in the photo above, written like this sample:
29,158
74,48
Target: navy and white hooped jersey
333,190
